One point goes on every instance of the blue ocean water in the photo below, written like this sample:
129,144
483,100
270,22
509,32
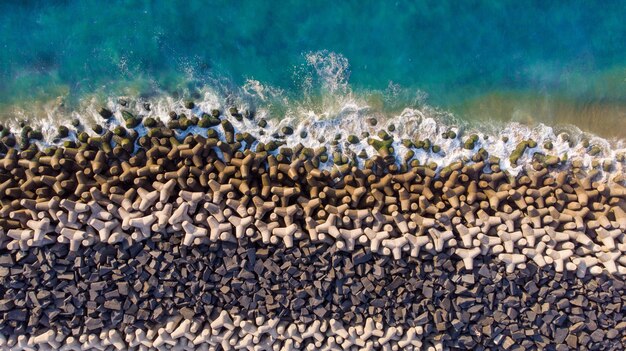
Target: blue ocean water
529,61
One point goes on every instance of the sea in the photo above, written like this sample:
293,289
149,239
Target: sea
506,70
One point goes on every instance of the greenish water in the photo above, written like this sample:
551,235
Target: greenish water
555,62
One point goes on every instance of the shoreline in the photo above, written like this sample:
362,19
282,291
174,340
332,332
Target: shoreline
120,187
599,116
490,113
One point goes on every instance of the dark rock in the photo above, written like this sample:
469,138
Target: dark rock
105,113
485,271
19,315
6,305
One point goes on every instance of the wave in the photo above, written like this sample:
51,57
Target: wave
327,111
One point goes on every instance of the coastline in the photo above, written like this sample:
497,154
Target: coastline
195,181
253,176
599,116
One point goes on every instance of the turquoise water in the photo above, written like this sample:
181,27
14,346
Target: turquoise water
500,60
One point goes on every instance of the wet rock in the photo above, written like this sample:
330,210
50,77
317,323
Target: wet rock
149,122
132,122
35,135
470,142
63,132
98,129
105,113
548,145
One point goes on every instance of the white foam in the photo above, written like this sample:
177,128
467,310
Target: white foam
331,69
328,107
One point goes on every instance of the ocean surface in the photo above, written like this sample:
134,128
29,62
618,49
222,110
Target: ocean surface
488,65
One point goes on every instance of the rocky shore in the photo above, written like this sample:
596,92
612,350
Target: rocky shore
192,234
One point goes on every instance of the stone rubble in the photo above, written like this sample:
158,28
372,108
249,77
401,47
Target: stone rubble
99,238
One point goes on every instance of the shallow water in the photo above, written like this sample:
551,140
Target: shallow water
482,61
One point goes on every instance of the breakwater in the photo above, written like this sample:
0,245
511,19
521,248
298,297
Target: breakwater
187,230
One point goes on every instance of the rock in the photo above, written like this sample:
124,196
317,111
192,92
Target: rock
485,271
105,113
551,160
149,122
287,130
508,343
132,122
98,129
470,142
6,305
184,123
138,231
18,315
572,341
112,305
83,137
595,150
227,127
548,145
560,335
585,142
63,132
35,135
518,152
407,143
127,115
465,301
597,336
409,155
